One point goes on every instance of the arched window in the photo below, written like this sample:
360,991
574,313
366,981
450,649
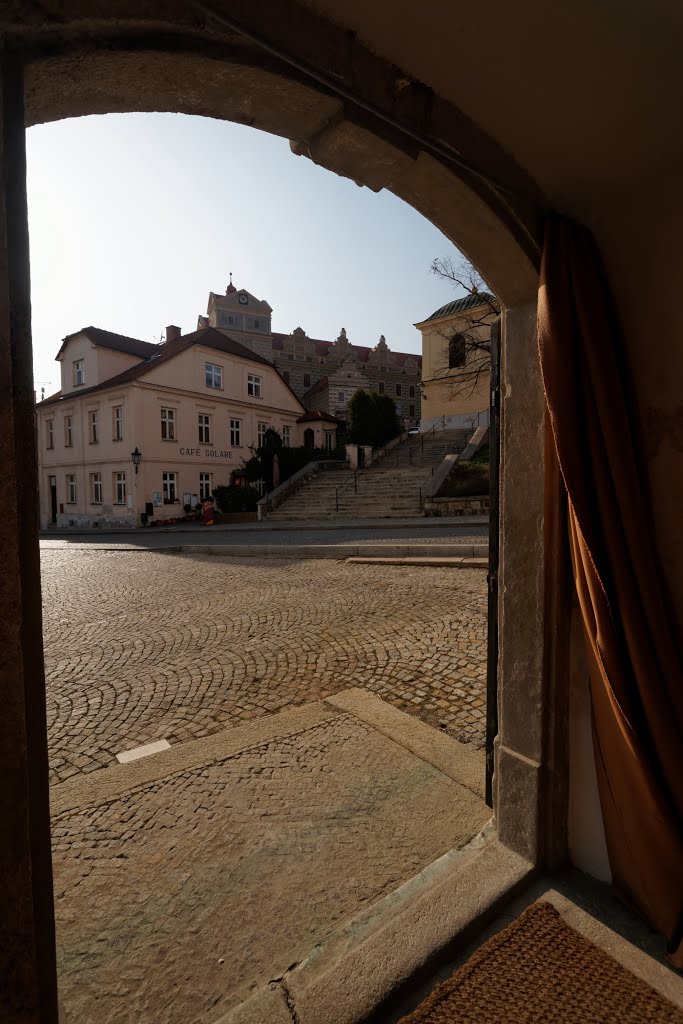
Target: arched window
456,351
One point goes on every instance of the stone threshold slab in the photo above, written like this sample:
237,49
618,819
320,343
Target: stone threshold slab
112,783
461,762
458,761
364,963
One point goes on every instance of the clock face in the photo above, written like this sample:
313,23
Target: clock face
243,298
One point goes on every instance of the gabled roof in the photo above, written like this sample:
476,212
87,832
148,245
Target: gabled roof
320,385
116,342
208,337
460,305
317,414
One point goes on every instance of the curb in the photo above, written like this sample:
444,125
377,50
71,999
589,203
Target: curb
425,554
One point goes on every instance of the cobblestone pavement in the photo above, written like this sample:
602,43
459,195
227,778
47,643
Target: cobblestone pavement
179,898
142,646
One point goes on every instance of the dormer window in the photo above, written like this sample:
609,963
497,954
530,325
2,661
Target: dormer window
79,372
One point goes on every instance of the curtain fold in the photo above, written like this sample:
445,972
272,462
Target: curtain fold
634,651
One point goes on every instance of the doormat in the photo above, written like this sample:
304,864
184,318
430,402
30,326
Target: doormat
538,970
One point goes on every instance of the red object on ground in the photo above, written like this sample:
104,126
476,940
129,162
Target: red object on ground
208,512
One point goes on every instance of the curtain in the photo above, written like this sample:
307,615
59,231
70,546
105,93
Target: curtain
633,647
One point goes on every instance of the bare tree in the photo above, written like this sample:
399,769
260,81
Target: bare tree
468,354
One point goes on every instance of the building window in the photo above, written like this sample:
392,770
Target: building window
456,351
380,387
96,488
94,428
118,423
253,385
79,372
214,375
341,396
307,380
68,432
204,428
205,486
411,410
285,437
398,390
285,376
119,488
329,440
71,488
168,424
257,325
50,433
170,486
411,391
261,428
290,356
399,408
235,428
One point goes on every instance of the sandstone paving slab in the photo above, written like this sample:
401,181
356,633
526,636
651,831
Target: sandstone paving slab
190,881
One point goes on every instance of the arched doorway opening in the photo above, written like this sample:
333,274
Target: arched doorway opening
328,128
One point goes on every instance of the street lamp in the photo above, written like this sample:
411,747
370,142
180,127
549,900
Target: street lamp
136,456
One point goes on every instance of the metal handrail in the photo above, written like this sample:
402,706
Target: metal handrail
380,453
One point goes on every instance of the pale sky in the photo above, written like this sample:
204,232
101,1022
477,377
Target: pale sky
135,218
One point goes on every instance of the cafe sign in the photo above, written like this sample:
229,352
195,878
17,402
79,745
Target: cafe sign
206,453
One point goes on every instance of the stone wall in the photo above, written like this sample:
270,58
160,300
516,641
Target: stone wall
471,506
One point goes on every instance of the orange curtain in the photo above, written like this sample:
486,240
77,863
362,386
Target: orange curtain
634,651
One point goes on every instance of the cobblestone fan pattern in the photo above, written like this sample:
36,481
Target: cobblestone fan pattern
143,646
177,900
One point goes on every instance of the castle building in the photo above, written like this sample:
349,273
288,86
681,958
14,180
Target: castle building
186,411
322,374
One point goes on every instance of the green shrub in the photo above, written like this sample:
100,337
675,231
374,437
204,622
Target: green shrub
236,499
468,479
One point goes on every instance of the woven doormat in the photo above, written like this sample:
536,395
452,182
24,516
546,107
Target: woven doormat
540,971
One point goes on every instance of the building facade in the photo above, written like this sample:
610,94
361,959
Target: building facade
192,408
304,362
456,362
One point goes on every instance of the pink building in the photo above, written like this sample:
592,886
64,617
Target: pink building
192,407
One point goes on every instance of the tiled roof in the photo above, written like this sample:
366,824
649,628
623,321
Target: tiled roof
317,414
362,351
320,385
460,305
208,337
117,342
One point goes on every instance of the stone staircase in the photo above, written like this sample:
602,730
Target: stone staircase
388,488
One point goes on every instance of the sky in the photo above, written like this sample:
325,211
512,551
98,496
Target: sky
135,218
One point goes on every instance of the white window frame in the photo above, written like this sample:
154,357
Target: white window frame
286,436
213,375
117,433
71,489
95,488
50,441
204,427
261,429
68,432
120,489
254,383
79,372
94,426
167,424
235,433
205,486
169,483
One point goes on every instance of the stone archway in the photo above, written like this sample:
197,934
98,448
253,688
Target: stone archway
164,61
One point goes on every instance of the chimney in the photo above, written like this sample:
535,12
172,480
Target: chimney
172,332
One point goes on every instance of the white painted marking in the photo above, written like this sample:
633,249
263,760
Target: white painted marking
136,752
